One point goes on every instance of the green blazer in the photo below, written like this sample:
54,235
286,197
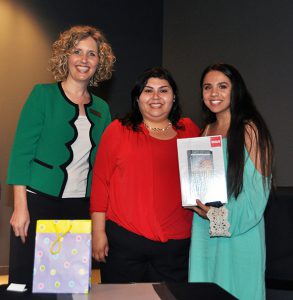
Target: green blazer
42,146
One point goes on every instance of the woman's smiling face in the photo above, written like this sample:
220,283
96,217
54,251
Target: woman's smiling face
156,100
83,61
216,92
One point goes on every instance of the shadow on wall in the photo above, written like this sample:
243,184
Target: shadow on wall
27,30
279,232
26,49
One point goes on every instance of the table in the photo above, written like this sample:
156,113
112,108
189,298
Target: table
134,291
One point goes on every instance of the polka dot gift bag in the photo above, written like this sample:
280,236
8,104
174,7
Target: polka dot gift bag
62,262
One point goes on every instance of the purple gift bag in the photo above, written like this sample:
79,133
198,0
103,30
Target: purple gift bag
62,262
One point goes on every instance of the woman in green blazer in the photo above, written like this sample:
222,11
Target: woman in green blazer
56,141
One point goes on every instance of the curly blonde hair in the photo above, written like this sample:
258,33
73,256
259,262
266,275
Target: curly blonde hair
68,39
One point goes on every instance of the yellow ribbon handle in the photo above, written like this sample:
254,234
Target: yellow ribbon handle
58,239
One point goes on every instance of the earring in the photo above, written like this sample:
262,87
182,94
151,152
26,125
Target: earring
174,99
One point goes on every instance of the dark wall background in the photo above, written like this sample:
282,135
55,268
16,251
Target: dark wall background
133,27
256,37
28,28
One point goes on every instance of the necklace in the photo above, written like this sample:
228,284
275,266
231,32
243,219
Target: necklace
157,128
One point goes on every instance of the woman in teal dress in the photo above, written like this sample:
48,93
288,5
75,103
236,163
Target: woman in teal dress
228,243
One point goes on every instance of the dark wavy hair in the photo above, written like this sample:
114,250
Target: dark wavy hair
243,113
134,117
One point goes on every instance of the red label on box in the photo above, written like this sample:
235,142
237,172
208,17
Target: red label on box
215,141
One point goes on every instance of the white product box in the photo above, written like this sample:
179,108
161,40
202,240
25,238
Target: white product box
202,171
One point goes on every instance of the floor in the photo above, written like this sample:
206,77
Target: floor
95,277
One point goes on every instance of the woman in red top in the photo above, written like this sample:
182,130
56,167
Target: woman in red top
141,233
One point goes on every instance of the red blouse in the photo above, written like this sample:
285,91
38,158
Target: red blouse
136,182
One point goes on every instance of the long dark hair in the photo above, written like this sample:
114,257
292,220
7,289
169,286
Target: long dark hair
134,117
243,113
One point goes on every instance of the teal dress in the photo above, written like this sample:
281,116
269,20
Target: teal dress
232,254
